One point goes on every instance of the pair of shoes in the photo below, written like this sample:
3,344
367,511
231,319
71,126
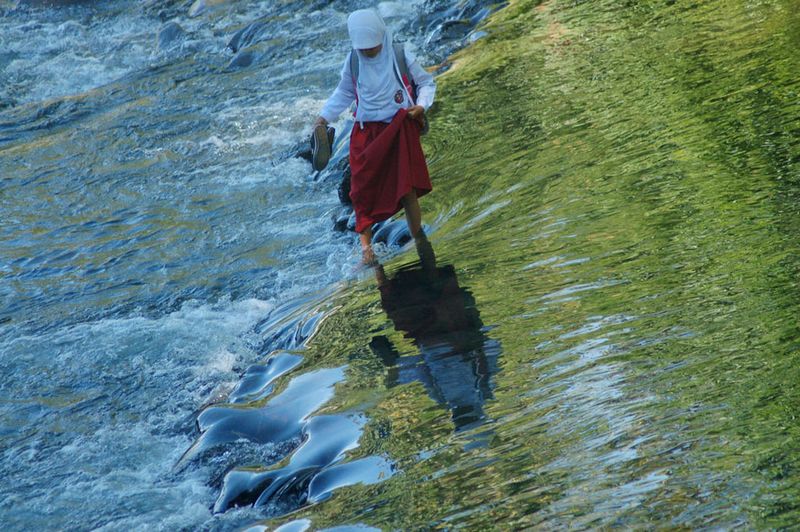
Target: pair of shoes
321,142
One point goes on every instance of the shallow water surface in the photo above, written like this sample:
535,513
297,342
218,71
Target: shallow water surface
601,332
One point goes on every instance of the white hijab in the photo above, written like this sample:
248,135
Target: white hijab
378,77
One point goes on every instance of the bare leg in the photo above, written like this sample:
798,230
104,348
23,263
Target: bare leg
368,255
427,257
380,274
413,214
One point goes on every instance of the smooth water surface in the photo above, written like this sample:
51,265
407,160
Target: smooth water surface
602,331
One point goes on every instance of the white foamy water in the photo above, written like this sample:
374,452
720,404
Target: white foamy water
102,414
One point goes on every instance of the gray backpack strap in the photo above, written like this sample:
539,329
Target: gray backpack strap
354,65
399,54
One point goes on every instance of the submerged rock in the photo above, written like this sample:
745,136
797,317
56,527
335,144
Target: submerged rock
280,420
341,220
326,439
258,379
452,27
392,233
168,34
201,6
302,150
243,59
247,36
344,189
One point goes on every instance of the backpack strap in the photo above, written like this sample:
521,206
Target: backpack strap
399,54
354,65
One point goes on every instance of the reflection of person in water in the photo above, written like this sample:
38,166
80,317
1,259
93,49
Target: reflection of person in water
456,358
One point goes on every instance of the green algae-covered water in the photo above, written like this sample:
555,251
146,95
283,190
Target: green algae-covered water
601,333
617,190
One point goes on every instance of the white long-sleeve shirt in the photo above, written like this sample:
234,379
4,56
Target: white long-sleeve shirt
344,94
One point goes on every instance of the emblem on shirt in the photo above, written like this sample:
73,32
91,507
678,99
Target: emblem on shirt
398,96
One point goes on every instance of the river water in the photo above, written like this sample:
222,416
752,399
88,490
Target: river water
602,332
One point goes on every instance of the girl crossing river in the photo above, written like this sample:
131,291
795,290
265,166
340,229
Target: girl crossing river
387,164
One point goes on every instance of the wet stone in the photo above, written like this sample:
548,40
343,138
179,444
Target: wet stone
340,220
344,188
369,470
243,59
302,150
392,233
256,384
449,27
454,29
326,439
278,422
247,36
168,34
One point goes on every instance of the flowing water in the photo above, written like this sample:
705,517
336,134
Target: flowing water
602,332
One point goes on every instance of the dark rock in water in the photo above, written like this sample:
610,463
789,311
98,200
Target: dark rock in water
450,27
243,59
341,219
351,222
302,149
454,29
326,439
242,488
339,224
247,36
392,233
162,10
169,33
339,169
376,228
258,379
344,189
304,152
278,421
480,15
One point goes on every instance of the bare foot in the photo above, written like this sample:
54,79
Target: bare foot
368,255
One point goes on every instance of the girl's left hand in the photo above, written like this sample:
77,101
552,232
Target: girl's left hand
417,112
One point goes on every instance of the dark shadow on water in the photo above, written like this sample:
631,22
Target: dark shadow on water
456,359
456,362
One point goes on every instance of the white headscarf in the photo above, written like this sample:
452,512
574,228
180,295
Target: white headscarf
378,78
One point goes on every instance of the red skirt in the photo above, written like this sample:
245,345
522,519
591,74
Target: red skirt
386,163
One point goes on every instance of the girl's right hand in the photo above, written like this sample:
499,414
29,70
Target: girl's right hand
417,112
